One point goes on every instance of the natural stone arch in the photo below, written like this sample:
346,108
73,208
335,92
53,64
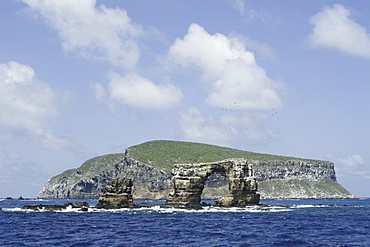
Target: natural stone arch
189,179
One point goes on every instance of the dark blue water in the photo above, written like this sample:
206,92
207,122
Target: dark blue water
307,224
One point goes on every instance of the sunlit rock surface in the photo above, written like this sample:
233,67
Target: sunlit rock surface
188,182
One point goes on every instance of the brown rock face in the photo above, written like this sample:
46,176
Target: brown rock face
118,195
189,179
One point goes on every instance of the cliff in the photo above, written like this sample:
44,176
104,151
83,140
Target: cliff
87,181
149,166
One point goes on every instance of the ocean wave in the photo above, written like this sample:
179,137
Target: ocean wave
159,209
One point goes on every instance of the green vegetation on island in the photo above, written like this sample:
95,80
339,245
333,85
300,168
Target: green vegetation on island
165,154
92,166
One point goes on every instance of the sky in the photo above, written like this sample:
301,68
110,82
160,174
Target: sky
79,79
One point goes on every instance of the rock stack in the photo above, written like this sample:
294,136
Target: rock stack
118,195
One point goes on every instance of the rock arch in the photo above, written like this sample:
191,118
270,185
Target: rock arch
189,179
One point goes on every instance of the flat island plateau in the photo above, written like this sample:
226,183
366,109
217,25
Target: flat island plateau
149,166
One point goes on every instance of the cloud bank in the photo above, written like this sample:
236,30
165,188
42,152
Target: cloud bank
235,80
230,73
107,34
94,33
333,28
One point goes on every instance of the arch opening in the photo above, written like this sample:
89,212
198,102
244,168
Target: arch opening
216,187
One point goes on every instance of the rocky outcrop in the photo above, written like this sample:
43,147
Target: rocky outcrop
188,182
81,206
276,179
118,195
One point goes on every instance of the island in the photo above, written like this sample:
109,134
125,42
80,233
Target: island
149,165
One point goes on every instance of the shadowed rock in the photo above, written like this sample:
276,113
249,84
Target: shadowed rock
83,206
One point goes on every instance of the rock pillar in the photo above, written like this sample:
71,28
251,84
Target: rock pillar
118,195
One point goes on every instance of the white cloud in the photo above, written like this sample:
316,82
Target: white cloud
352,160
226,129
94,33
243,86
262,50
250,13
239,5
196,127
107,34
236,80
99,92
27,104
24,101
353,165
252,127
102,96
136,91
333,28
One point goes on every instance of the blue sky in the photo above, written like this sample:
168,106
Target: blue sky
80,79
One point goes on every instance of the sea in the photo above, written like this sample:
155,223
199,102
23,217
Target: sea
276,223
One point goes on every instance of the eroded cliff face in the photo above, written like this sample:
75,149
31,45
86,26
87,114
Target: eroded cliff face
298,179
276,180
149,182
302,170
